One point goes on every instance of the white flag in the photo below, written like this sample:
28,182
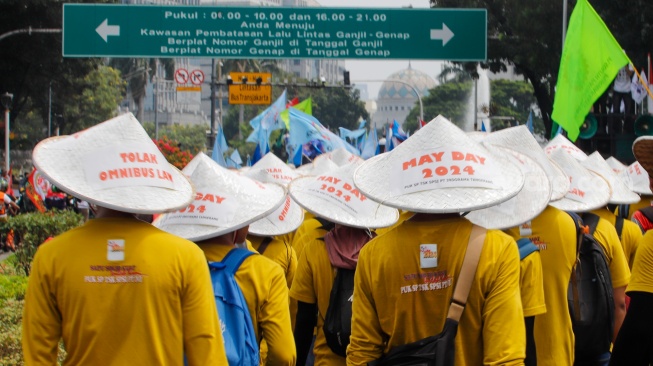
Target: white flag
637,89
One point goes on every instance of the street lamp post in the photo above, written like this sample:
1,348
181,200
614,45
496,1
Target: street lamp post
6,99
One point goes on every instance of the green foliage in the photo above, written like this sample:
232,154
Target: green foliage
449,99
32,229
101,91
191,137
175,156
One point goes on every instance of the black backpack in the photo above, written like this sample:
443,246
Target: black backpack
337,321
590,294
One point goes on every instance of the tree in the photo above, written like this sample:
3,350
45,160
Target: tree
192,137
138,72
35,62
449,99
528,35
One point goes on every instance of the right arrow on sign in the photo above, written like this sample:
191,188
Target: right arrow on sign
105,30
445,34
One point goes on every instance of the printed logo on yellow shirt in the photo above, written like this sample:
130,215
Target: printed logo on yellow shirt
116,250
541,244
430,281
525,229
428,255
115,274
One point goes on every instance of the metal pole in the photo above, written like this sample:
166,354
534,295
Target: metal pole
156,99
220,96
475,104
212,135
50,111
7,140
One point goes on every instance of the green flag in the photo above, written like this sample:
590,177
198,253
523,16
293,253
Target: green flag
305,106
591,58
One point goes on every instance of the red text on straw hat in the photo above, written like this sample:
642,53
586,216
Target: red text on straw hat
437,157
135,157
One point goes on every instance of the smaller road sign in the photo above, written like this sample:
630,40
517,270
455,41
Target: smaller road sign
181,76
197,77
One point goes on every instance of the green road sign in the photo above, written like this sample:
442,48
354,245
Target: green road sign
102,30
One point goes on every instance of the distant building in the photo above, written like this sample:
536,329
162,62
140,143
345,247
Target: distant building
396,99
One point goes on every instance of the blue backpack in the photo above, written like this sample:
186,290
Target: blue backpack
237,329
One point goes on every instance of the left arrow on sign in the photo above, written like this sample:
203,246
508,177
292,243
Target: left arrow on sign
445,34
105,30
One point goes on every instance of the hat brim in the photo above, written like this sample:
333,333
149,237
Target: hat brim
286,218
594,198
643,151
526,205
373,178
63,167
333,196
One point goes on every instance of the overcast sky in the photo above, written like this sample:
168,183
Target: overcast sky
379,69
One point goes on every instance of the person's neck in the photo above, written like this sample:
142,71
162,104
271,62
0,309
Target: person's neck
431,216
105,213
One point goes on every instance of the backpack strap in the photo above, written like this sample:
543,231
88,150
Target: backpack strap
622,210
591,220
619,225
264,244
526,248
467,272
648,212
233,259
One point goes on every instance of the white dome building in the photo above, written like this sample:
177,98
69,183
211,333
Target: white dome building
396,99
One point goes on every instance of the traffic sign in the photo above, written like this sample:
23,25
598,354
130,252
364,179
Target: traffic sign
181,76
250,92
197,77
111,30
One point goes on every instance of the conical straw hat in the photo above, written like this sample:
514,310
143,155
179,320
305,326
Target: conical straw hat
439,169
561,142
615,164
588,190
621,194
226,201
285,218
116,165
334,196
521,140
526,205
636,179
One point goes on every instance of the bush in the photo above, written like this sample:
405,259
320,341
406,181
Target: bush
32,229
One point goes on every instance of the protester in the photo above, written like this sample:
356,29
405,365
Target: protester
405,278
330,196
633,344
590,191
7,204
553,232
521,209
218,220
117,290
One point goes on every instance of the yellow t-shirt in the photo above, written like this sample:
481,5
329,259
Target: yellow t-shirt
553,231
606,235
403,216
264,288
631,234
312,285
642,277
121,292
279,252
531,285
307,232
398,302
